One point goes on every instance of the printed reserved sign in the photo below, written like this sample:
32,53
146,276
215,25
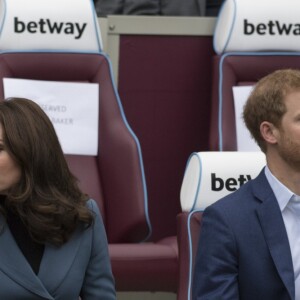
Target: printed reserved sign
73,109
255,25
209,176
37,25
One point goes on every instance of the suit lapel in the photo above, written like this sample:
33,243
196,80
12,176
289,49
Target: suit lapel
273,227
15,266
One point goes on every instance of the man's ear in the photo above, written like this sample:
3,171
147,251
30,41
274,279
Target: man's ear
269,132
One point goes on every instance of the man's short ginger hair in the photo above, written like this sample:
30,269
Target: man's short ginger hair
266,101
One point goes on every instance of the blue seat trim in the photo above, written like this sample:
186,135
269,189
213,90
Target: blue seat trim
139,151
4,17
231,27
191,263
98,34
199,180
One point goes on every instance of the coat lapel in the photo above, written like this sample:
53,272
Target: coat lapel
57,261
273,227
15,266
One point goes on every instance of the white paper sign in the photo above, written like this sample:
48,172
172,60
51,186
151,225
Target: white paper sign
244,140
73,109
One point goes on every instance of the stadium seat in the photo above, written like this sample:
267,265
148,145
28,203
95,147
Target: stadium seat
51,49
238,69
208,177
115,177
244,56
241,59
229,70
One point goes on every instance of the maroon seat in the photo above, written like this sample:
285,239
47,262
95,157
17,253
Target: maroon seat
233,69
153,266
229,69
115,177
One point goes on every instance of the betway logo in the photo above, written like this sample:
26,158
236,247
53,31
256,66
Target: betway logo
230,184
271,28
48,26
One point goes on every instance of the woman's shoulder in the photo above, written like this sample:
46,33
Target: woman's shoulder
93,206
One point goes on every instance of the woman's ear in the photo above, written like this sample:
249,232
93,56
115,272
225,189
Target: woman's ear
269,132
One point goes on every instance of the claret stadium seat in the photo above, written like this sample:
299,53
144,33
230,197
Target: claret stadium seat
208,177
241,59
239,69
115,176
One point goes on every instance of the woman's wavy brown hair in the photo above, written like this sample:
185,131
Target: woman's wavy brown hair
47,198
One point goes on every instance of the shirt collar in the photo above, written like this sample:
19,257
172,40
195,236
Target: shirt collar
282,193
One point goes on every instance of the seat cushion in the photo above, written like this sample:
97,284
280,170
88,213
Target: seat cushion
137,267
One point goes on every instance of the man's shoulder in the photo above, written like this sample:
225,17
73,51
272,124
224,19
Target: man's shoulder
240,199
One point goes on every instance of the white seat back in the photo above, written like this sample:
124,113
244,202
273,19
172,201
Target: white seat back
210,176
57,25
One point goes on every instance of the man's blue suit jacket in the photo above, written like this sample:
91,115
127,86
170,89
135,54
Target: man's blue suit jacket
82,264
243,250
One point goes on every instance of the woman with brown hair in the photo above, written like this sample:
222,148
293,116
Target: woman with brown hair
52,239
